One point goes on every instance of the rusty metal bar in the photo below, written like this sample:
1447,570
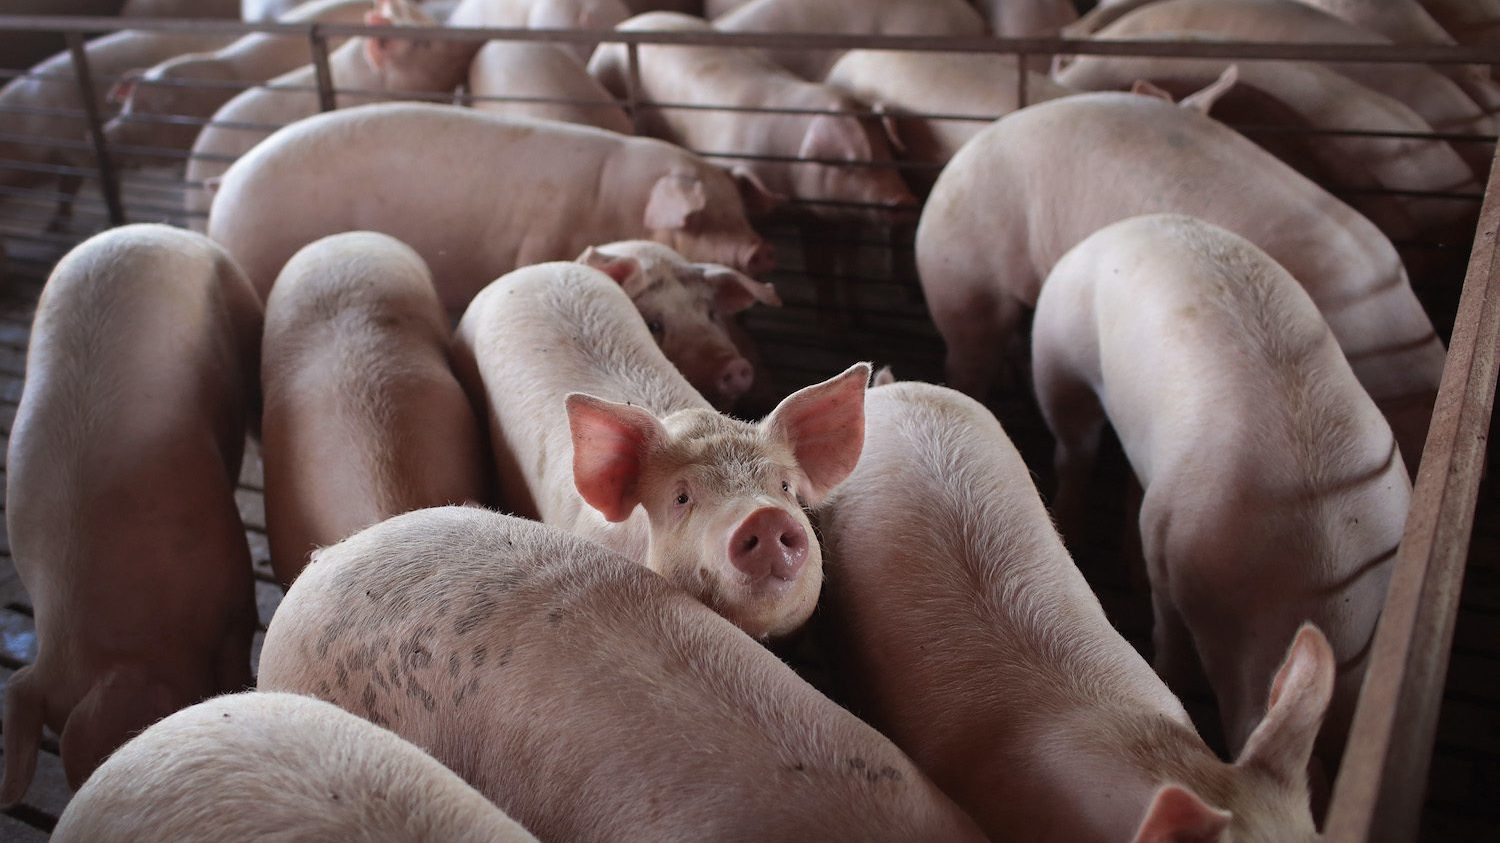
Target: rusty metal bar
1021,74
633,87
108,184
318,46
1378,795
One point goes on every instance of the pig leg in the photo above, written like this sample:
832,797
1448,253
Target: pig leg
122,703
977,337
25,710
1073,414
1174,657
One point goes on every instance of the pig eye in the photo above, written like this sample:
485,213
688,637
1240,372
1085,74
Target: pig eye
682,498
655,327
786,487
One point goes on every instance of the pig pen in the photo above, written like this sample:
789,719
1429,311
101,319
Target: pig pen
1424,754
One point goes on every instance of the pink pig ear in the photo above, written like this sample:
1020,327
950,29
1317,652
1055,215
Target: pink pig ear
675,199
836,137
759,200
1177,815
1202,101
378,50
610,445
1283,742
734,291
825,426
1147,89
124,86
624,269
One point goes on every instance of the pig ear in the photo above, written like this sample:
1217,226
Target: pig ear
1204,100
825,426
884,377
734,291
888,124
758,199
1177,815
1300,693
380,50
124,86
610,444
837,137
675,198
625,270
1146,89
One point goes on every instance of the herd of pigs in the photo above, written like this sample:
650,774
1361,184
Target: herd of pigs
1253,341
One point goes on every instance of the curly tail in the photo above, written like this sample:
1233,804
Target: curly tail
24,712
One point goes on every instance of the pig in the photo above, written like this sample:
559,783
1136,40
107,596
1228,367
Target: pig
847,17
514,197
1037,182
861,184
542,14
376,68
363,416
120,494
689,310
978,86
1029,659
1306,94
1291,514
1462,104
542,72
277,766
595,431
45,104
1402,21
1473,23
195,85
587,698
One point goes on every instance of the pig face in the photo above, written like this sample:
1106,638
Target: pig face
859,142
188,85
725,498
700,213
686,307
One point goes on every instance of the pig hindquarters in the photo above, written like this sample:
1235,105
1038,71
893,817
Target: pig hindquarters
1274,493
265,766
120,494
981,651
363,416
587,698
712,504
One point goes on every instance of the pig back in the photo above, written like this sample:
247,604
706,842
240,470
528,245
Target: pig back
554,675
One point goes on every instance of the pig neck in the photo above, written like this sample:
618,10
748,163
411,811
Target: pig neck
351,71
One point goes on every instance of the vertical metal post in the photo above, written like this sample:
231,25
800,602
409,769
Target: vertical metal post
108,184
633,85
318,45
1021,74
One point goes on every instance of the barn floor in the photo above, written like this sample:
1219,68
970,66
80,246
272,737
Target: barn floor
864,306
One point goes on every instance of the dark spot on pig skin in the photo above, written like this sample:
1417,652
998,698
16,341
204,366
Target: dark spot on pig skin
325,691
798,767
417,692
555,616
480,609
505,657
413,653
332,632
368,700
394,670
479,655
379,679
341,675
461,693
890,773
455,664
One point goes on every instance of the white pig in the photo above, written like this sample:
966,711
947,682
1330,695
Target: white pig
363,416
195,85
364,69
1023,18
858,183
120,494
1463,103
542,14
1472,23
848,17
586,697
475,194
542,71
974,85
1000,636
1309,95
593,430
45,113
1274,492
262,766
1036,183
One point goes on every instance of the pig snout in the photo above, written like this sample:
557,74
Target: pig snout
769,543
734,379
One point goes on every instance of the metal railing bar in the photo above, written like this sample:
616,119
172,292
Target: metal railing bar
66,240
1378,794
107,181
49,169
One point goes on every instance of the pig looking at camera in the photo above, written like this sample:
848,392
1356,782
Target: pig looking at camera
363,416
120,494
997,671
1274,491
845,167
593,430
584,696
522,192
